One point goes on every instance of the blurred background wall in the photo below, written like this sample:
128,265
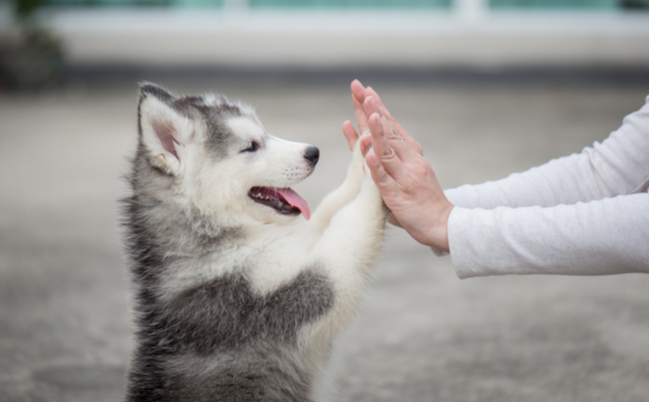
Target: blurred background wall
329,34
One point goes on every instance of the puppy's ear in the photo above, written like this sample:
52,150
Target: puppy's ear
163,131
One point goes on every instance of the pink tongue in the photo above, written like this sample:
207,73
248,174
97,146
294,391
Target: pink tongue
295,200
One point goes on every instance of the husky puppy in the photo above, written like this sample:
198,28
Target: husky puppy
236,296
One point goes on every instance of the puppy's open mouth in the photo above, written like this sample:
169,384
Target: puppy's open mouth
284,200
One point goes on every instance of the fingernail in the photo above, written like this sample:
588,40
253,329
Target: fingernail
372,102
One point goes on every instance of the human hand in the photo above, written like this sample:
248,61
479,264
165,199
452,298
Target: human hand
404,177
359,94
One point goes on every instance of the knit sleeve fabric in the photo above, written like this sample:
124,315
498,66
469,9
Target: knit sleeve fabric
607,236
586,214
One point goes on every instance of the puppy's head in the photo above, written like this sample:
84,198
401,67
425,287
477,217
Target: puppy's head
214,155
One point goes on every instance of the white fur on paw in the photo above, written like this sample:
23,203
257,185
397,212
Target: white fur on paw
356,168
358,156
369,187
366,170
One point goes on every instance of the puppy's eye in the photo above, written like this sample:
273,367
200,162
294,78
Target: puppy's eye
252,147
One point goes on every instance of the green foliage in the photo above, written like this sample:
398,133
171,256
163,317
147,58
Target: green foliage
26,8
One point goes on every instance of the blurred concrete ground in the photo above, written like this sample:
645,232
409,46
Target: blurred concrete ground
421,334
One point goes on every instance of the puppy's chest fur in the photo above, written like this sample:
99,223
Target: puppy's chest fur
225,313
219,338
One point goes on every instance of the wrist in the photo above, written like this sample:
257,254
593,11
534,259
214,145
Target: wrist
438,234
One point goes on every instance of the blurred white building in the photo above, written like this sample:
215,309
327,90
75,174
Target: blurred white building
348,33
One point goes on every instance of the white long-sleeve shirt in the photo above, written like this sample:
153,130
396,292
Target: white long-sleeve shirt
585,214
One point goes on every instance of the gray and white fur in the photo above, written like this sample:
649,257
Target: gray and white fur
237,297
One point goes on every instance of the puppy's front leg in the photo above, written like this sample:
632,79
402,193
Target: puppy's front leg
337,199
349,247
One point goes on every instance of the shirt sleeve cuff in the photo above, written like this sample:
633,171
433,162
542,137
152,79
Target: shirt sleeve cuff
459,248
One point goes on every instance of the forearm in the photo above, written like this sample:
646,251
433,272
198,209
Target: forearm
602,237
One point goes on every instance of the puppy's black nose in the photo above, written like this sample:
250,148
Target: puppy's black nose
312,154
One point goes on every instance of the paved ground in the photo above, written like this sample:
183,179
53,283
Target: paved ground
421,335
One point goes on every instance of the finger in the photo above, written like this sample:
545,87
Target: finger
392,132
358,91
377,171
357,100
381,109
366,143
350,134
360,114
370,106
371,92
391,128
385,184
384,151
